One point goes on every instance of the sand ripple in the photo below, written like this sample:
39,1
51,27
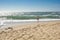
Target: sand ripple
35,31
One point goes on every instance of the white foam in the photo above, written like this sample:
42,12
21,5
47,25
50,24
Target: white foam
3,22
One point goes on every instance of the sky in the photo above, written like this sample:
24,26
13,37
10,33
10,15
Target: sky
29,5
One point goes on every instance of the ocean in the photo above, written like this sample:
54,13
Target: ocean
28,17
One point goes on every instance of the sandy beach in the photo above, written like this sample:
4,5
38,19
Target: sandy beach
35,31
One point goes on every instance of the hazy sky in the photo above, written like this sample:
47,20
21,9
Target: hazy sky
29,5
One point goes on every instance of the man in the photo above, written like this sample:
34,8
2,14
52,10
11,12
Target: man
37,18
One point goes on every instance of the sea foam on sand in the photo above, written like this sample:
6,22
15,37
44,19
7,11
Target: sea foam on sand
15,22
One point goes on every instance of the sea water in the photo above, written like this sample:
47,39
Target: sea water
14,22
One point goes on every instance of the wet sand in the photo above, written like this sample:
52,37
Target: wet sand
34,31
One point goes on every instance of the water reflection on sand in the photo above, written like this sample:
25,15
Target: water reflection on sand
14,22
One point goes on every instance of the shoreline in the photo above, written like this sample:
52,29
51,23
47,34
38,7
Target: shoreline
26,23
5,23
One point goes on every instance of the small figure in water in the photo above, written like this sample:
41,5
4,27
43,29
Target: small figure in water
38,24
37,18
